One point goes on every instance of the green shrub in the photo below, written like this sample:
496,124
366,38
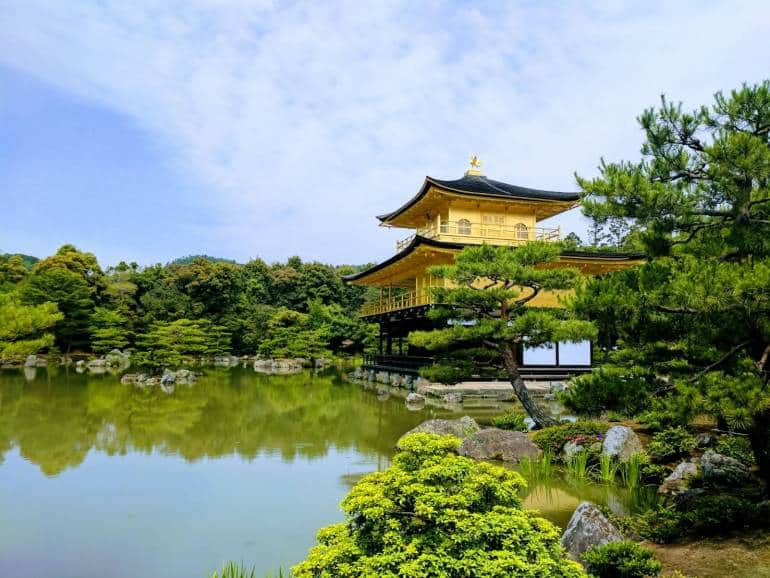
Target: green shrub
434,513
661,525
511,420
719,514
654,473
552,439
621,560
738,447
608,389
671,444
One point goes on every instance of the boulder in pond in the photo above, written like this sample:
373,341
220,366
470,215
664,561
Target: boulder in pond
452,397
621,442
414,398
498,444
168,378
588,527
676,482
719,469
117,359
35,361
461,428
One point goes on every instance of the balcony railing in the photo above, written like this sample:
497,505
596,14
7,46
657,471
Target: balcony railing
494,234
397,302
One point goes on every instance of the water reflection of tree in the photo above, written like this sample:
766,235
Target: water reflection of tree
55,422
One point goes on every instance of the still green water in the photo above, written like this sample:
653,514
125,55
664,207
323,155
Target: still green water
103,480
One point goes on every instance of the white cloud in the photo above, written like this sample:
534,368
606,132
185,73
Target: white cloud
306,119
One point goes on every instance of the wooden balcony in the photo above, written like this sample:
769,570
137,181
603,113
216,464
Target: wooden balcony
464,231
397,302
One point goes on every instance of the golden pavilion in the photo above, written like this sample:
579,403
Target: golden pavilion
443,218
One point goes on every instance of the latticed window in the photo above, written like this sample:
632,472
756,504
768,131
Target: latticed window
522,232
463,227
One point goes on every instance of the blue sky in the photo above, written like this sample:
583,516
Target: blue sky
145,131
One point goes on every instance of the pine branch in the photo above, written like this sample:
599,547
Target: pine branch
719,361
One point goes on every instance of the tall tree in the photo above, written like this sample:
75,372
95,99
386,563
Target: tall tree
486,303
73,280
699,201
25,329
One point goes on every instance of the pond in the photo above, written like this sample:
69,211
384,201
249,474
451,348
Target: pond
107,480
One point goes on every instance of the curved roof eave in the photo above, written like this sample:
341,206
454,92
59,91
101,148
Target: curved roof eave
413,244
482,186
418,240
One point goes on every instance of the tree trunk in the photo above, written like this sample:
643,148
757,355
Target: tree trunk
760,445
535,412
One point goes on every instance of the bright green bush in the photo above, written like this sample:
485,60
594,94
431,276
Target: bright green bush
621,560
552,439
434,513
608,389
671,444
511,420
738,447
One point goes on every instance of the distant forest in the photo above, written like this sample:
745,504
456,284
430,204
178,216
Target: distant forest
191,307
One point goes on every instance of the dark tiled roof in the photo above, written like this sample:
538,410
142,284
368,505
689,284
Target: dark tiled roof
485,186
480,185
418,240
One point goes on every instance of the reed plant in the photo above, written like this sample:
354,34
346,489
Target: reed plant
577,466
631,470
608,468
537,468
233,570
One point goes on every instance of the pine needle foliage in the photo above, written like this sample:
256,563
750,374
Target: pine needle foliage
486,301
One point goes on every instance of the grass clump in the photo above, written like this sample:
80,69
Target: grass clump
624,559
608,468
511,420
233,570
631,470
577,466
537,468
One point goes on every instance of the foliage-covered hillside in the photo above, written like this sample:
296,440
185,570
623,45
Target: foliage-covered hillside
190,307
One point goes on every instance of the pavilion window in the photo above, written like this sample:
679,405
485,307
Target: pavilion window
522,232
463,227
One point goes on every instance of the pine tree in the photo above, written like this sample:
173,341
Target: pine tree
486,305
698,314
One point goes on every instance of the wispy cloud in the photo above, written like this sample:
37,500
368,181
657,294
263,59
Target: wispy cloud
305,119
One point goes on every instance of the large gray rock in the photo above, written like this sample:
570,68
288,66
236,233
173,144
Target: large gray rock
460,428
452,397
676,482
621,442
35,361
117,359
588,527
723,470
415,398
499,444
